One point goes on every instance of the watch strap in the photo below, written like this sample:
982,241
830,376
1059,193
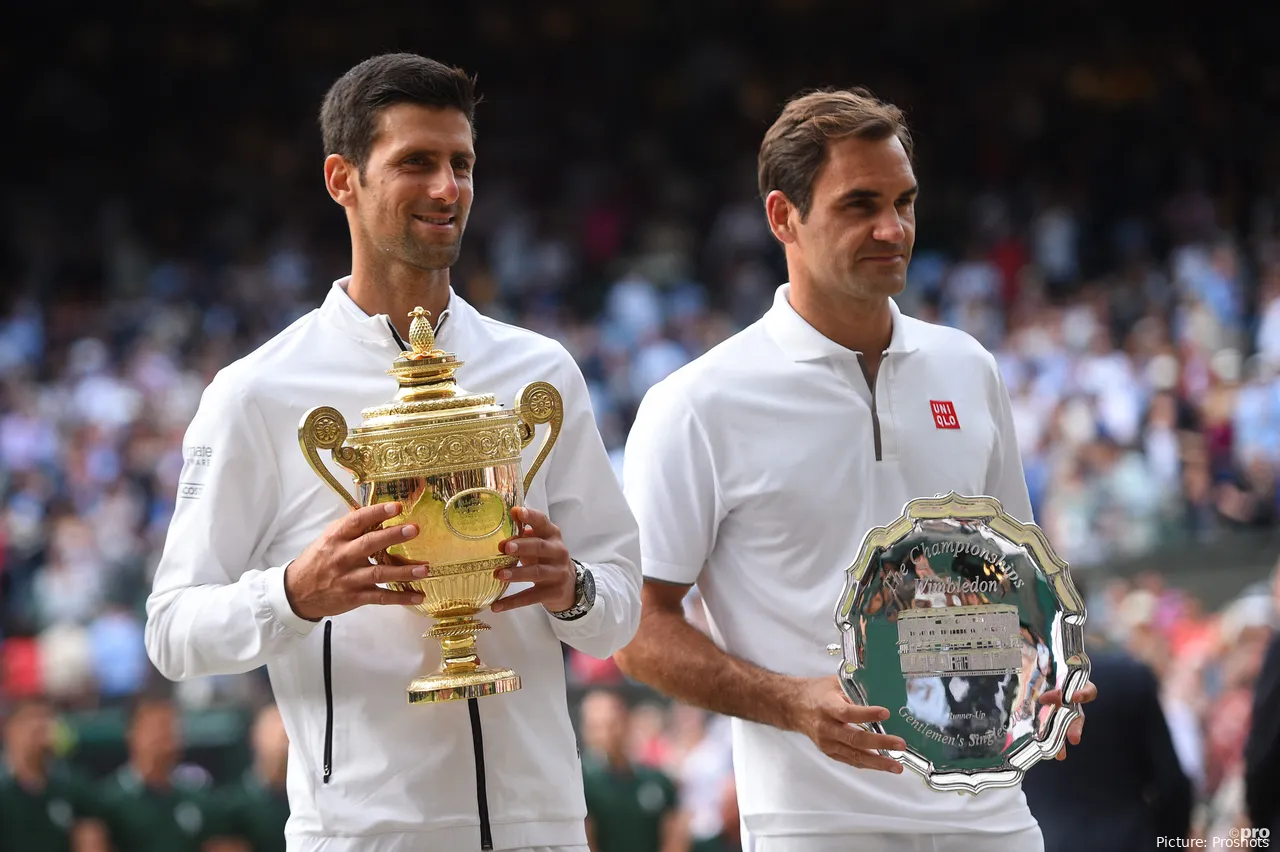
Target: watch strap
581,603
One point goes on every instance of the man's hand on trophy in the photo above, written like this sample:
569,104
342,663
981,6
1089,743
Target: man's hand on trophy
1083,695
544,562
821,711
334,575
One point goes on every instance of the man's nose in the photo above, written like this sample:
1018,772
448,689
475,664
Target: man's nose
444,186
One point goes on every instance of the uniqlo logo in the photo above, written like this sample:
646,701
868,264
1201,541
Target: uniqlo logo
944,414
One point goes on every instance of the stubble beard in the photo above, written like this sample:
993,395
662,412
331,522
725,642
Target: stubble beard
426,256
881,283
434,258
874,287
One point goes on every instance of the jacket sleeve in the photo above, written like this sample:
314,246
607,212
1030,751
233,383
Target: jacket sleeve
1262,746
586,502
1171,794
1006,480
215,606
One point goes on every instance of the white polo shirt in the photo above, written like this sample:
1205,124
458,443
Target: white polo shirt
756,470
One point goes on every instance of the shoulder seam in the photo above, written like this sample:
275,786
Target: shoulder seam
294,329
706,442
500,324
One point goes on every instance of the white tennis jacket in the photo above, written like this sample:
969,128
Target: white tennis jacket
367,771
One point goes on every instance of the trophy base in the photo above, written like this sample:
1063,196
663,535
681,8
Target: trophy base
444,686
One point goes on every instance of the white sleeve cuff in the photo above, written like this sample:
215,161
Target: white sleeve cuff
278,601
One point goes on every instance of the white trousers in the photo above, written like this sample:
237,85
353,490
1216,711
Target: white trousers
1030,840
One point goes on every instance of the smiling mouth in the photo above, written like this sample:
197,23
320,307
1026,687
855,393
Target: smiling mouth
437,221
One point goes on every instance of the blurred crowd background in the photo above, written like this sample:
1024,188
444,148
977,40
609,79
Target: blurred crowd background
1100,207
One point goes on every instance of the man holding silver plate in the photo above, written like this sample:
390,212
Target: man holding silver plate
839,457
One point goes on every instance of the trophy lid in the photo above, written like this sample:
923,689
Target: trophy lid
428,389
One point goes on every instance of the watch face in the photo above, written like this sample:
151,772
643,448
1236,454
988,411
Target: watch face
589,586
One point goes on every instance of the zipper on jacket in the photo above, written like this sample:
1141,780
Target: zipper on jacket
875,416
328,700
395,335
482,791
405,347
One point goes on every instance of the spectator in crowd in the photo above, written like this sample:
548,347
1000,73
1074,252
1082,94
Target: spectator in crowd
1124,774
152,804
253,810
630,807
1262,748
701,762
45,805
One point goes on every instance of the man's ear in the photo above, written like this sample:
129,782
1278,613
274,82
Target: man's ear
340,178
781,214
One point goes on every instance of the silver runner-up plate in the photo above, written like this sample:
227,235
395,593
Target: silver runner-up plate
957,618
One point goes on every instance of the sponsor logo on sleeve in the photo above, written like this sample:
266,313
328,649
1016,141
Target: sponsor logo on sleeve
199,456
190,490
196,461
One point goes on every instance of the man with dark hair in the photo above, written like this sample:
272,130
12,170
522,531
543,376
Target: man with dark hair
349,114
756,470
265,565
630,807
148,805
45,805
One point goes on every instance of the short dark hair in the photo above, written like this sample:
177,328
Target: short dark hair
150,698
349,114
795,147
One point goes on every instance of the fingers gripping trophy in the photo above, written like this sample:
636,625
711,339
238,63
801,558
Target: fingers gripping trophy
452,461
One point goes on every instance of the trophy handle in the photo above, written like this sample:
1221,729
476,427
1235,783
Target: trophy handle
538,402
325,428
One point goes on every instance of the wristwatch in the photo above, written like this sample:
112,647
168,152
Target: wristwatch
584,595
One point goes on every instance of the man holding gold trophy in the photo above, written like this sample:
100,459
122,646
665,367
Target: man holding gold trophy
347,512
774,471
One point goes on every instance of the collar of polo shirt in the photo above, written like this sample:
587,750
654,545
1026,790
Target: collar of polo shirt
802,342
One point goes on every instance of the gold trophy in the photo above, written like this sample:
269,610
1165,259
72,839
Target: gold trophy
452,460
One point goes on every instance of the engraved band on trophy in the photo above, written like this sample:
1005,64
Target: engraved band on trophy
453,461
957,617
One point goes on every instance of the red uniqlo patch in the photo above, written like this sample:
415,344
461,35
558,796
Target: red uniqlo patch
944,414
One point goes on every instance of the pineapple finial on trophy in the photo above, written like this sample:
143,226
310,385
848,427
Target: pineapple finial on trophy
421,337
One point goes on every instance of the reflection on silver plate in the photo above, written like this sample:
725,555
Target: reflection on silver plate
957,618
